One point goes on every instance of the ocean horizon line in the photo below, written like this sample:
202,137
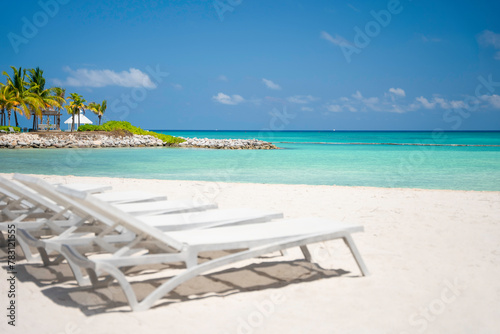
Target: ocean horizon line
219,130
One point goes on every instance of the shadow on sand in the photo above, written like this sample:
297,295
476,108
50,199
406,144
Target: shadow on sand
58,284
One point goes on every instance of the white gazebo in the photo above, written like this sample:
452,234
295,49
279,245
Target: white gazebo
83,120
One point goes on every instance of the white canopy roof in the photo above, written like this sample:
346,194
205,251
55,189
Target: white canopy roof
83,120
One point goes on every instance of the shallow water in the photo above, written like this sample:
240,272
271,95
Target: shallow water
317,158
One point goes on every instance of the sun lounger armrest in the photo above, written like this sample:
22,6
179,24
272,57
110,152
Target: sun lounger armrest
28,238
76,258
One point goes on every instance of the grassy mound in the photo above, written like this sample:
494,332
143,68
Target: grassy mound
6,128
122,125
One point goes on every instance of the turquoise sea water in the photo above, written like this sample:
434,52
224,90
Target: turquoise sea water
440,160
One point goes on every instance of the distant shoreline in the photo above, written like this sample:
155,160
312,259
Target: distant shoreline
103,139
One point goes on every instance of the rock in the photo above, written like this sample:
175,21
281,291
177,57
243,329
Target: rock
102,140
227,144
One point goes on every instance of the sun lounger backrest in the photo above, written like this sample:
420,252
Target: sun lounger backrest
48,190
21,192
118,216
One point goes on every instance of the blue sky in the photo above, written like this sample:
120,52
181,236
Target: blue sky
280,65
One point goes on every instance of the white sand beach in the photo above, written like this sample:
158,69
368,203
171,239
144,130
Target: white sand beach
434,258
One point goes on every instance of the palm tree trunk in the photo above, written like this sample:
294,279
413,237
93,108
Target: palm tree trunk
78,118
72,122
8,114
100,119
15,116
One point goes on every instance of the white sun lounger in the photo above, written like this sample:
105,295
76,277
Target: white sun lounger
20,201
163,207
143,204
40,197
86,187
124,197
23,204
184,246
164,222
209,219
174,222
21,197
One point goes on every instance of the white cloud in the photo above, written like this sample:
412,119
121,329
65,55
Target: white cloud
226,99
301,99
307,109
357,95
489,38
334,108
177,86
337,40
458,105
397,109
389,103
493,100
222,78
371,101
270,84
100,78
361,102
397,91
441,102
426,103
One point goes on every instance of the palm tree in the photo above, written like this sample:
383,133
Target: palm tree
76,105
48,97
61,92
98,109
3,106
7,102
25,100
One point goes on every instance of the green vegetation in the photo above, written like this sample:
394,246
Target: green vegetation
6,128
122,125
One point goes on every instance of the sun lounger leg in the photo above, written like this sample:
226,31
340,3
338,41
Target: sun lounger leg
77,273
27,251
357,256
3,243
191,259
307,254
46,260
122,281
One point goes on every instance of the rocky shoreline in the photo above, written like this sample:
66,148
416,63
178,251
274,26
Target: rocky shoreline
228,144
103,140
